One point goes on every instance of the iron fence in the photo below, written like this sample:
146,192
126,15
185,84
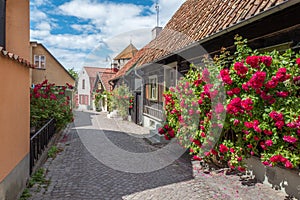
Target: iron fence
39,141
154,111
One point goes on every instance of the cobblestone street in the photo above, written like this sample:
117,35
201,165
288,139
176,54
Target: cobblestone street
76,173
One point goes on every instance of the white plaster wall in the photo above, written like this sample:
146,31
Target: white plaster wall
83,75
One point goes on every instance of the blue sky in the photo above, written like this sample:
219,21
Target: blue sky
84,32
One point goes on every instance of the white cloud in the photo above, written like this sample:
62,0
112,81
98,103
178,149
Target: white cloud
85,28
115,24
39,2
37,15
43,26
168,9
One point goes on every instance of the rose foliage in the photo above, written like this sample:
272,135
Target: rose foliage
121,100
48,101
237,106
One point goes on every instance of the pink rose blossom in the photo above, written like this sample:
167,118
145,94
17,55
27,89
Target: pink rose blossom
290,139
269,142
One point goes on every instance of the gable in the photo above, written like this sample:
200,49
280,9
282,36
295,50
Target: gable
54,72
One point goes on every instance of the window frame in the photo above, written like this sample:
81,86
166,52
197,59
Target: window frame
40,61
153,88
83,84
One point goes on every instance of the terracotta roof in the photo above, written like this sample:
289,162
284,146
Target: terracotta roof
16,58
127,53
105,78
131,63
92,73
196,20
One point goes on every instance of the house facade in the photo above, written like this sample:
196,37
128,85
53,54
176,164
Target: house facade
15,101
124,56
48,67
201,28
86,82
102,86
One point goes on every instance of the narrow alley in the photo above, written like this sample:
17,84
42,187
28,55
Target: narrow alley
76,173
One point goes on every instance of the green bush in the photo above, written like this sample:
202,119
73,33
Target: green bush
241,105
48,101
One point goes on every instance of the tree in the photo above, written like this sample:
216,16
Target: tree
73,73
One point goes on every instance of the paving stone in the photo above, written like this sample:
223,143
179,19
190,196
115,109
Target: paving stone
76,174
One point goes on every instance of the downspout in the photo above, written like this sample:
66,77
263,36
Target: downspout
142,94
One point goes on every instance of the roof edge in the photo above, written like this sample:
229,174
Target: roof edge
257,17
54,58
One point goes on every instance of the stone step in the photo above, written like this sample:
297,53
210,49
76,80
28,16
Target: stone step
156,138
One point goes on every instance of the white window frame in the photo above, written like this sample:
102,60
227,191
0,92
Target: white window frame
83,84
40,61
153,91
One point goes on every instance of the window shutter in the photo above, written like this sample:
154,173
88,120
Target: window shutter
147,92
160,92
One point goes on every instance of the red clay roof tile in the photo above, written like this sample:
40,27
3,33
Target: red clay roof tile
196,20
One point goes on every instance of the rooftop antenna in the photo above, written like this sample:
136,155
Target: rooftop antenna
157,13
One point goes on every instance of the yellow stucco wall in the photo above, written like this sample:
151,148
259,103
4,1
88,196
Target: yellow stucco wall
54,71
14,89
14,114
17,28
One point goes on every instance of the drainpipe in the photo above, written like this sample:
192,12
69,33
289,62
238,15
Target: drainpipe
142,93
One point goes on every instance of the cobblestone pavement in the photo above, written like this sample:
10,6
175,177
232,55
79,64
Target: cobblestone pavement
76,174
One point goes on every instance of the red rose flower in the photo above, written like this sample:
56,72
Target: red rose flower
288,164
225,76
197,142
276,116
298,61
240,68
214,152
257,80
271,84
267,132
290,139
197,158
267,60
282,94
161,131
166,137
256,138
248,124
279,124
223,148
253,61
247,104
269,142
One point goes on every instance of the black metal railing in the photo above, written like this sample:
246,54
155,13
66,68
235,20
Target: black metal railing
39,141
154,111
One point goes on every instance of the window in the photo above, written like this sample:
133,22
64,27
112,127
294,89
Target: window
2,22
153,87
83,84
40,61
84,99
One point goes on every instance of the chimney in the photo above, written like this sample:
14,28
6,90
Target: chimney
156,31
